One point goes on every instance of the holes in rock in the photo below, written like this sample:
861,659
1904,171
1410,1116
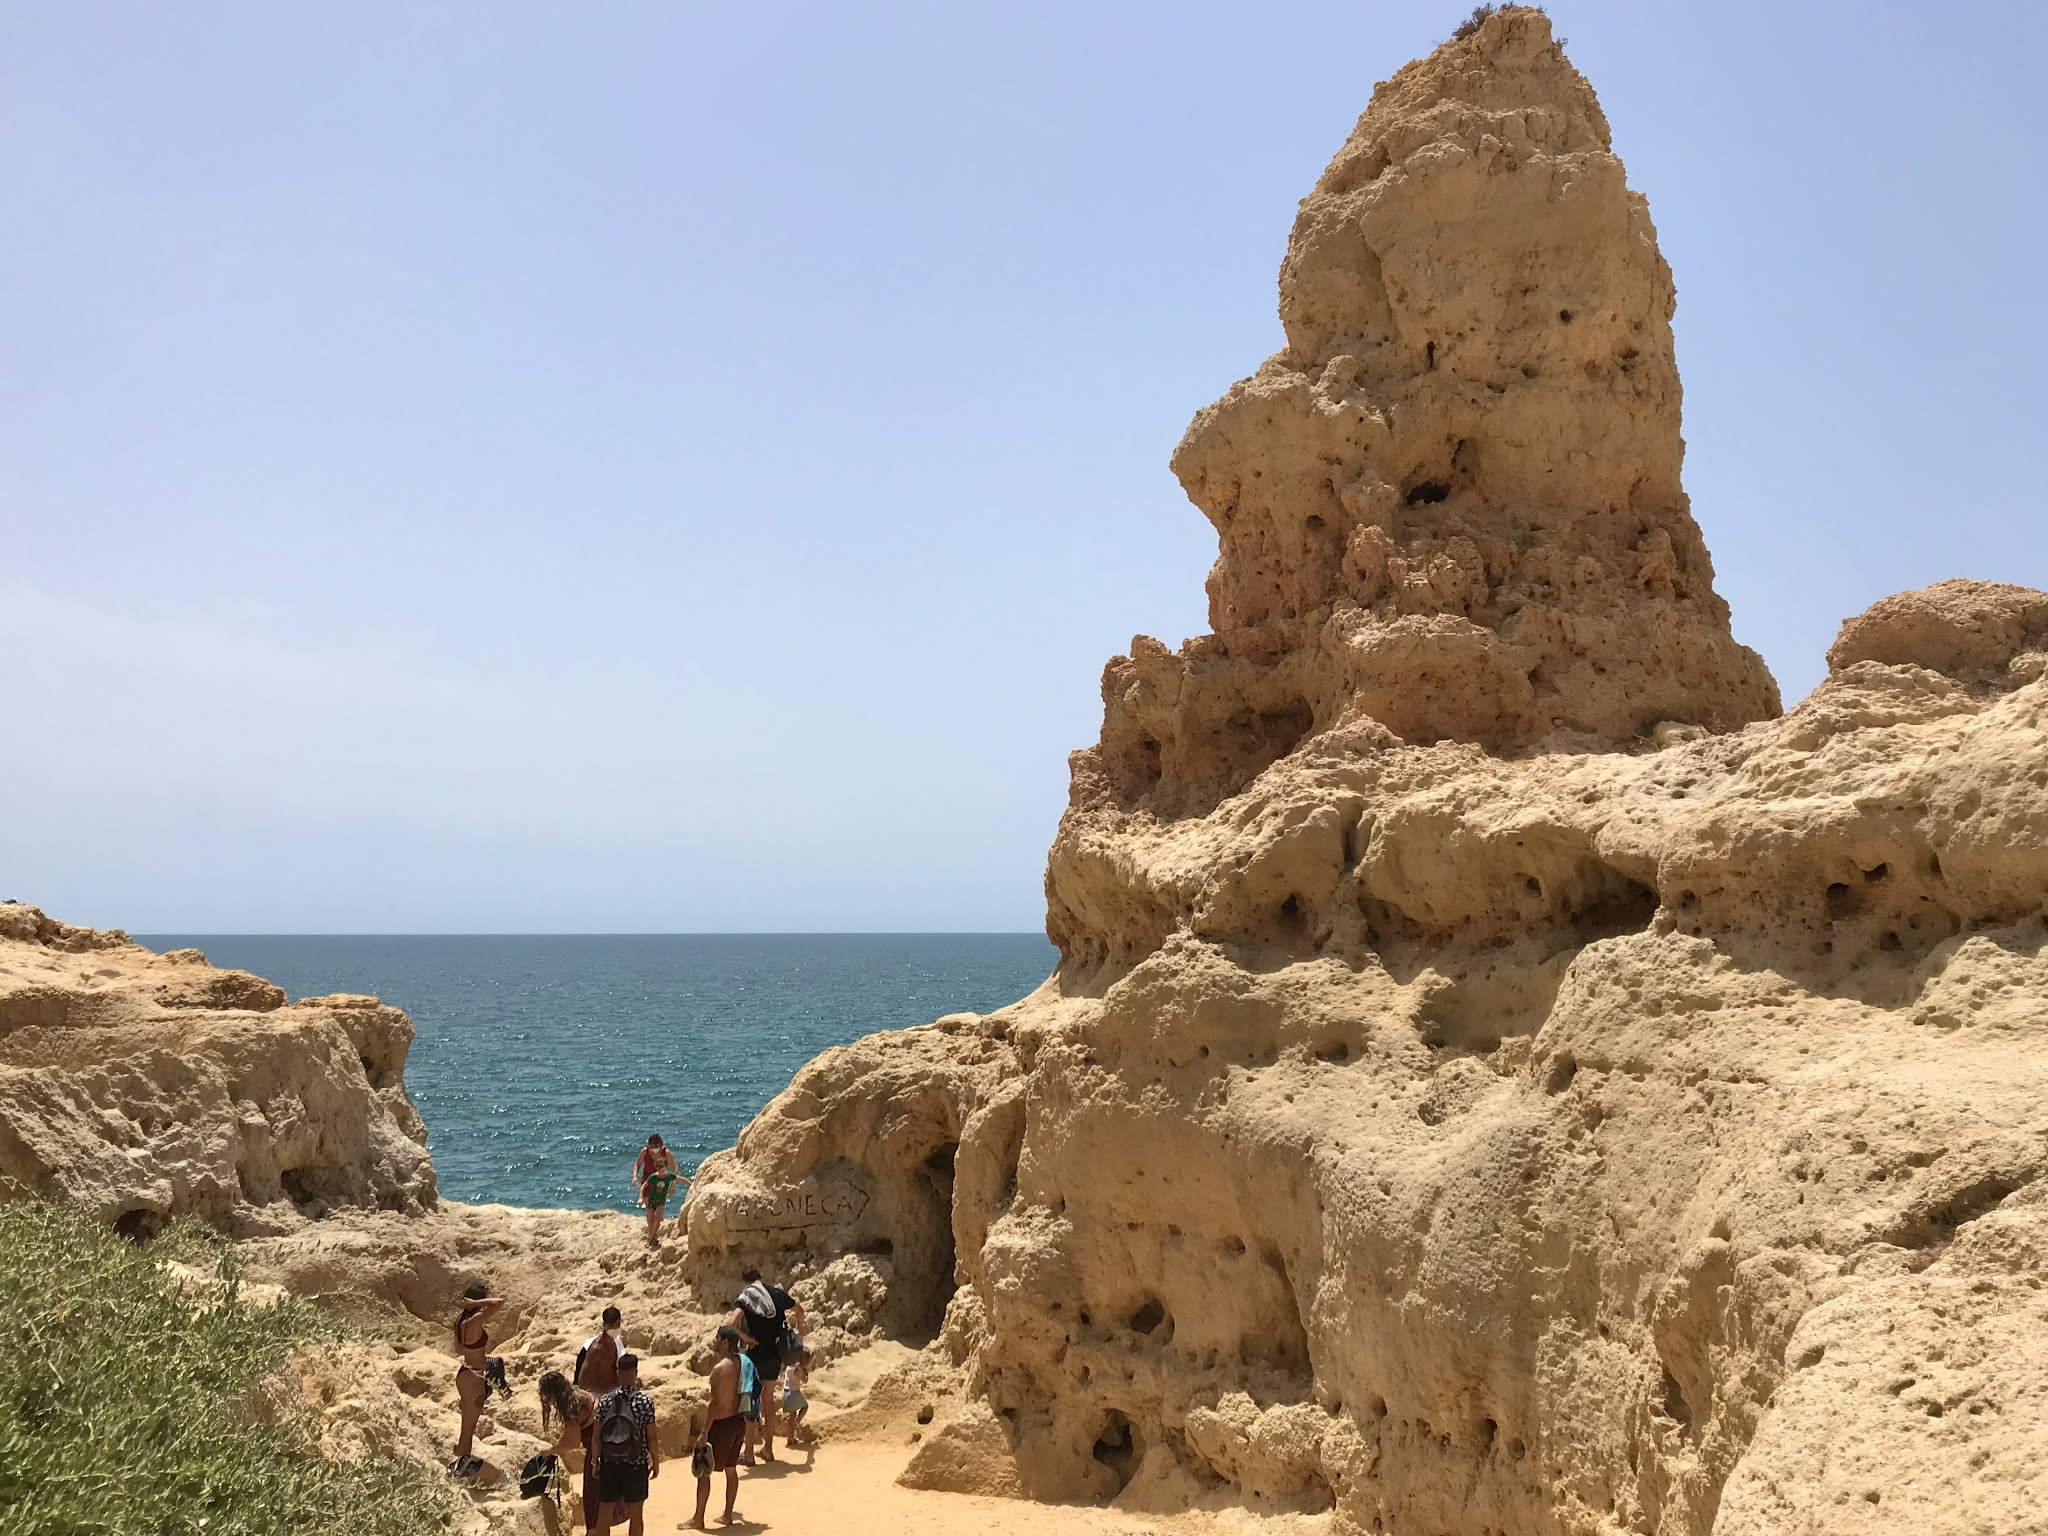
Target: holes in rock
140,1225
879,1247
1532,885
1488,1431
1809,1358
1336,1052
1673,1405
1876,874
1562,1071
1234,1246
1315,522
1890,942
1253,739
302,1186
924,1414
1565,316
1939,1224
1118,1449
1429,355
1615,905
1427,493
1842,901
938,1172
1148,768
1292,920
1151,1317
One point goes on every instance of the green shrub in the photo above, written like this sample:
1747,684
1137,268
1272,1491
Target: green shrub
127,1408
1481,14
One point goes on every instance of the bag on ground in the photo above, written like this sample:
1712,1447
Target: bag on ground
535,1476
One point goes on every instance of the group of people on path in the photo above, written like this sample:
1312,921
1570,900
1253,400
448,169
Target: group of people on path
655,1176
759,1371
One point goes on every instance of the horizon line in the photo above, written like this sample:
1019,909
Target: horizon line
598,933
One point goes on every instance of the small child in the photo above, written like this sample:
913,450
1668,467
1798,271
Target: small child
794,1404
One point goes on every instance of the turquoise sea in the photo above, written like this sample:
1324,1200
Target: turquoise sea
543,1061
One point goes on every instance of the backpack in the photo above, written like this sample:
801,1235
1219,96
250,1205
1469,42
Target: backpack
616,1425
765,1325
750,1388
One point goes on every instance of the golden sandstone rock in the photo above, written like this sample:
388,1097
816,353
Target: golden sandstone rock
148,1086
1500,1075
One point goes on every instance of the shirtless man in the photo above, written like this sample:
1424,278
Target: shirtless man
724,1428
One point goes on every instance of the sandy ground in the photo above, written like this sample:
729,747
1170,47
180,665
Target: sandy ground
847,1486
850,1489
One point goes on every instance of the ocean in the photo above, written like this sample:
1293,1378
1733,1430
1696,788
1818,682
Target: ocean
543,1061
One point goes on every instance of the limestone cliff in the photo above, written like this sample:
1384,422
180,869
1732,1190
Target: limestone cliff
146,1086
1501,1075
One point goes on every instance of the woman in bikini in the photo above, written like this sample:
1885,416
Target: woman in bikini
473,1344
575,1410
655,1174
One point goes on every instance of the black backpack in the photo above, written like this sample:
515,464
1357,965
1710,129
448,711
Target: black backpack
616,1426
535,1476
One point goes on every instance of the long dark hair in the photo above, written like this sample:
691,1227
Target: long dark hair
475,1291
558,1398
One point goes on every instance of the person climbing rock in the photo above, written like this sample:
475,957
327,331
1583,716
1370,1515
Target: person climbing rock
655,1175
762,1313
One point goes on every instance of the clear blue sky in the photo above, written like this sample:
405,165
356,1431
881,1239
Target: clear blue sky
496,466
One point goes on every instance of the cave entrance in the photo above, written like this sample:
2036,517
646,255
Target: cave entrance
302,1186
1118,1448
140,1225
937,1170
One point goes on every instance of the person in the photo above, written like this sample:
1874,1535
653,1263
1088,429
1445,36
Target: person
725,1428
759,1313
575,1411
655,1174
794,1404
597,1372
472,1386
628,1455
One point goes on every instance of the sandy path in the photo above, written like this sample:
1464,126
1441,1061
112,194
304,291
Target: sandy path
849,1489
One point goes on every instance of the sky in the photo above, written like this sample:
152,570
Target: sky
502,467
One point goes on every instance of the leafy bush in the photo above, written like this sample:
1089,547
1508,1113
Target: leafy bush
1481,13
128,1408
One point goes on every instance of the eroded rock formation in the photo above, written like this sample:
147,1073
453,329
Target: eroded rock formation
147,1086
1501,1076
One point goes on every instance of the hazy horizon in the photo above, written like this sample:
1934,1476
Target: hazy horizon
596,933
502,470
